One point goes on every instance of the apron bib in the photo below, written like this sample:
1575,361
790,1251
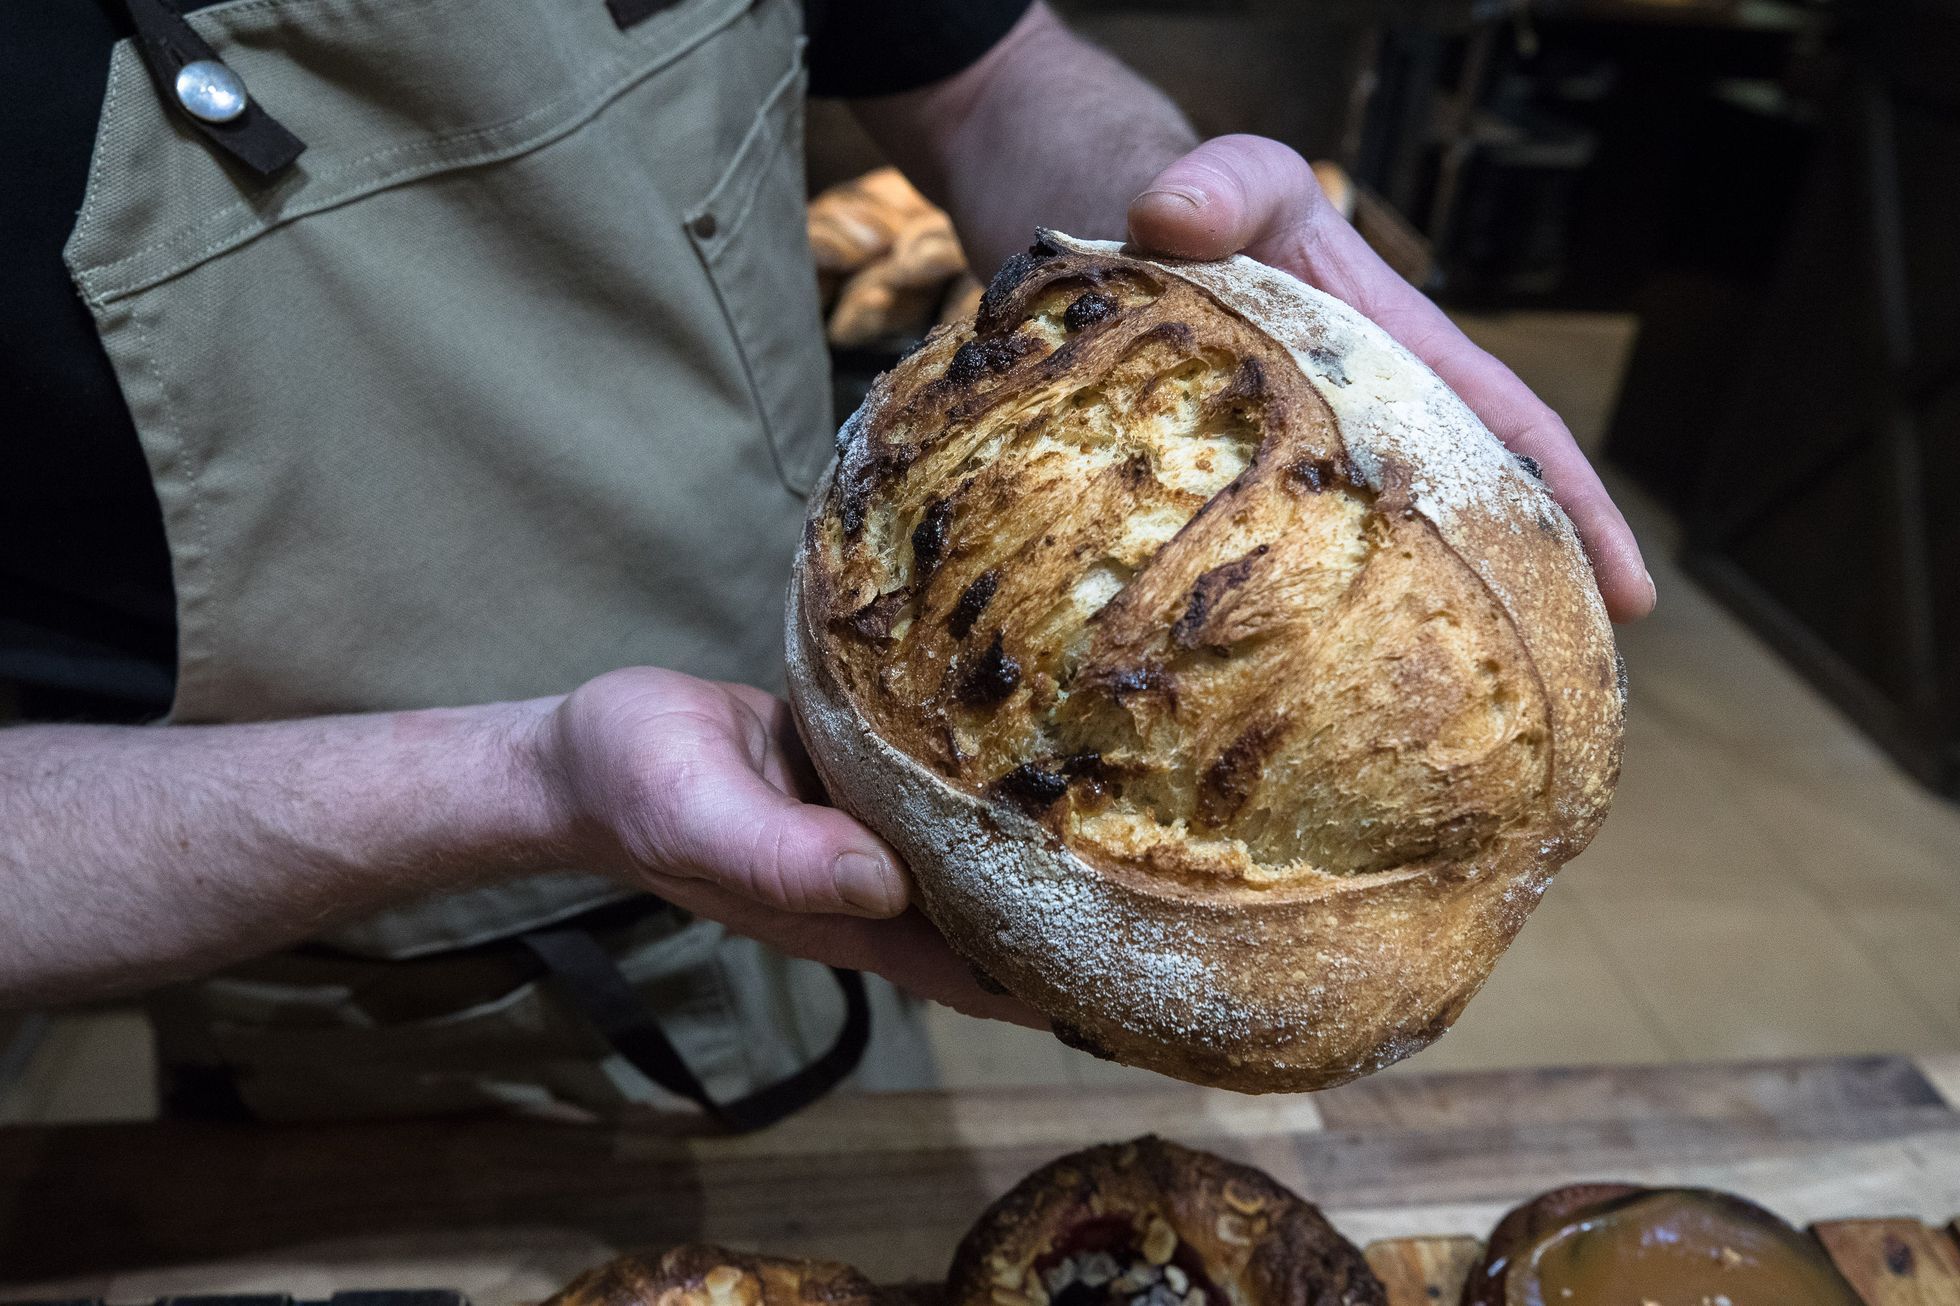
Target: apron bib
515,377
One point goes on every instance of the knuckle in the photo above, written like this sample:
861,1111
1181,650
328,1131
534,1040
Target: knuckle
766,862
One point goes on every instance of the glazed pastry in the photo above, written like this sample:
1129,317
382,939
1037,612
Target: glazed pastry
1603,1243
1232,693
1149,1223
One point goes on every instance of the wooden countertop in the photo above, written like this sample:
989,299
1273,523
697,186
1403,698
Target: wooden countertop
507,1212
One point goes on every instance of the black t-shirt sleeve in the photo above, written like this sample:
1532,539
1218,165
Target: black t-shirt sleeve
882,47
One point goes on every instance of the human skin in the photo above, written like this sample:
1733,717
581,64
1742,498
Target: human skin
130,856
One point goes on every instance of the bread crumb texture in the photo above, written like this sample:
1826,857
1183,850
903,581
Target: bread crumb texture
1109,558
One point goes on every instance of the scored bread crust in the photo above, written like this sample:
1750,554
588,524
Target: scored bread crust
1259,987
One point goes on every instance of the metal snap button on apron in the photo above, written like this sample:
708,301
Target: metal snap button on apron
705,226
210,91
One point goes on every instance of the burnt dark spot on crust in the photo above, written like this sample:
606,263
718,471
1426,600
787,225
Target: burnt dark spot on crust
1546,526
1084,766
1532,467
1035,786
1230,778
875,619
1141,678
1088,309
1898,1256
1178,334
1330,363
866,466
987,680
972,602
985,356
1000,291
1211,587
1136,471
1248,384
1312,475
1031,787
1395,498
929,539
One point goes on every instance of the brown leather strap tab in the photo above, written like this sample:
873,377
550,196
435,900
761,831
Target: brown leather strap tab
255,138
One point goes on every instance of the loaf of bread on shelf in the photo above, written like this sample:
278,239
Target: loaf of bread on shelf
857,221
1232,693
895,296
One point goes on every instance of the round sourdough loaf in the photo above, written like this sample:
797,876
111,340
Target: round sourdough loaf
1231,691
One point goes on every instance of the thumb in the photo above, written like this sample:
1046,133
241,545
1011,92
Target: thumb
1227,195
720,821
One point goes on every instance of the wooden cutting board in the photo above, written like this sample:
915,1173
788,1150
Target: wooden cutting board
1889,1262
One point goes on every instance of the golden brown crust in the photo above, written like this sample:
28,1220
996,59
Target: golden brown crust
1130,1210
1232,693
701,1274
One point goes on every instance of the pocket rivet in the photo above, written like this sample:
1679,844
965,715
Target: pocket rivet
210,91
705,226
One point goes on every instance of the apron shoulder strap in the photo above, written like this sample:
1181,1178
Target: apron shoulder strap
590,979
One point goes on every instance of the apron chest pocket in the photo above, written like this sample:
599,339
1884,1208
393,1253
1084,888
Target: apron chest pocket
738,230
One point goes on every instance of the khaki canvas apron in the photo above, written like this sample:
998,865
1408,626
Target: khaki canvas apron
514,378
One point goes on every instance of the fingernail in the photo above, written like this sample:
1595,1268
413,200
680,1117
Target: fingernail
868,882
1191,195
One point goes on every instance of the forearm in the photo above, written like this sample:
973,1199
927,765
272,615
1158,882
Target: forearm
132,855
1046,130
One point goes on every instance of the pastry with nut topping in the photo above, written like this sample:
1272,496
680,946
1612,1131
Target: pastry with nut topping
1232,692
1149,1223
700,1274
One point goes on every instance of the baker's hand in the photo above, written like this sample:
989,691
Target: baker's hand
700,792
1247,194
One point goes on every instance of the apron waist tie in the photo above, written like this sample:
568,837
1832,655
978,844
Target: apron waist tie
587,976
